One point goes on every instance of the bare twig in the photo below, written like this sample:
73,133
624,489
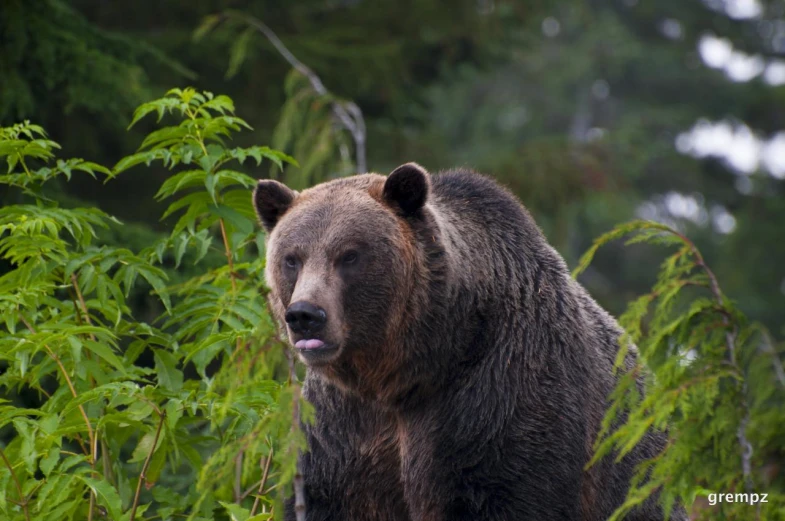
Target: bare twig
143,474
299,482
22,499
265,473
348,113
238,476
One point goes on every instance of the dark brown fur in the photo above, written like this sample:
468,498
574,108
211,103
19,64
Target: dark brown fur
467,373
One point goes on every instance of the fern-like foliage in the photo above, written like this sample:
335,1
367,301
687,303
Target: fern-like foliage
715,383
188,416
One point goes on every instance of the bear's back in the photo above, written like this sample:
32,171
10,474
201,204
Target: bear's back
465,192
492,235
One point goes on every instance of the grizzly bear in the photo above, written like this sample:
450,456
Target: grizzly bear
457,371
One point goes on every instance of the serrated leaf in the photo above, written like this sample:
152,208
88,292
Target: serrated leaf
144,447
106,495
169,376
235,511
48,462
106,353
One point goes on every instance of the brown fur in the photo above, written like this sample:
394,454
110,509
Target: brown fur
464,374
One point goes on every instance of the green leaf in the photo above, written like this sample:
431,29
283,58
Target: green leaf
209,184
144,447
48,462
239,51
238,221
106,353
169,376
208,24
156,279
236,512
106,495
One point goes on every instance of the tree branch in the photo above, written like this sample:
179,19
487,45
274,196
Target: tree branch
143,474
299,482
265,473
347,112
730,343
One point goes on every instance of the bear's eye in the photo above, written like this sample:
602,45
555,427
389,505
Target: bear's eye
350,257
290,262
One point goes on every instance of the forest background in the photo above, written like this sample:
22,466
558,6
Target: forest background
594,112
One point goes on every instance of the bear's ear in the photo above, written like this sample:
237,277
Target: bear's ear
271,199
407,188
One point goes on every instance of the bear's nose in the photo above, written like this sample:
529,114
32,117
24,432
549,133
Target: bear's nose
305,318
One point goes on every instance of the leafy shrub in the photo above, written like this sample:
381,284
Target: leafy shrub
110,417
715,381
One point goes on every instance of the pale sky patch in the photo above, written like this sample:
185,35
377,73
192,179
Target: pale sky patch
737,145
775,73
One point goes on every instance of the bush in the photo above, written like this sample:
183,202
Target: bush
109,417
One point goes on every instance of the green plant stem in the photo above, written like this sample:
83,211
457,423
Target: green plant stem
24,166
91,507
82,303
238,476
265,473
229,259
143,474
94,448
22,498
59,363
108,474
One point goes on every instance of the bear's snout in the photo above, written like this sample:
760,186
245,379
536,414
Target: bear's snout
305,318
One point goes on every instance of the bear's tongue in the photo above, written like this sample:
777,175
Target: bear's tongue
312,343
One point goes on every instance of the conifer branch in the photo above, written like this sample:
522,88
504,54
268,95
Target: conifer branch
730,343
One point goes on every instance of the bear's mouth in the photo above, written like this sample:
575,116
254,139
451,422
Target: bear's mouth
310,343
314,351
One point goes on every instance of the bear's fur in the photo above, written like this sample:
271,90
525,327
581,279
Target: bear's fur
457,370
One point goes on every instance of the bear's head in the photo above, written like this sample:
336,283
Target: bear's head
344,264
